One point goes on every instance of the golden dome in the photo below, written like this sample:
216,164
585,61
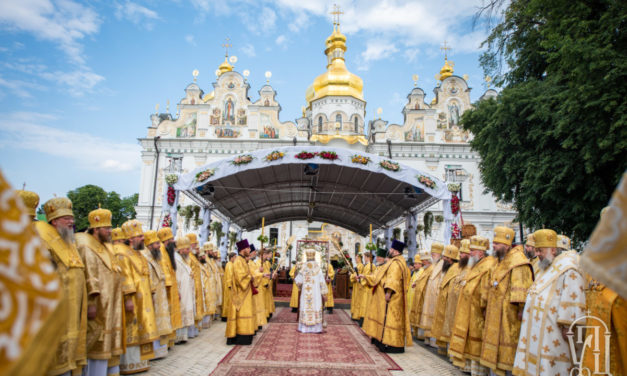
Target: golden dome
446,71
224,67
337,80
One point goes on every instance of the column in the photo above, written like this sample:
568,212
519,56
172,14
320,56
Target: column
410,227
388,237
204,229
226,225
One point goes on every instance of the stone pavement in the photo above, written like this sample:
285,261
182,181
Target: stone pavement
200,356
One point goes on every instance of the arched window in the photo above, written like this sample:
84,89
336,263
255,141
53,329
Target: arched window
356,125
338,120
320,124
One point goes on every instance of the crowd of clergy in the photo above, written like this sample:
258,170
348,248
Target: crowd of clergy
131,295
511,310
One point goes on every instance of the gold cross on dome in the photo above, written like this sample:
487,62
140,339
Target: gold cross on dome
445,47
336,15
227,45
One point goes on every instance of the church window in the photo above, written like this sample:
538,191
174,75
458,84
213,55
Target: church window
338,121
356,125
320,124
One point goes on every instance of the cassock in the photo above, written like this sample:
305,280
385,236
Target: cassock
330,275
368,270
209,291
469,315
103,274
555,300
161,305
241,322
267,288
185,282
294,297
357,293
437,329
199,297
172,289
71,350
412,292
259,302
451,304
431,298
227,283
418,300
313,286
509,282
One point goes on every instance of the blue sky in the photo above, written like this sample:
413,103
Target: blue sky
79,79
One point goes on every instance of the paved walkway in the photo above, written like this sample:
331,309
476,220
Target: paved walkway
200,356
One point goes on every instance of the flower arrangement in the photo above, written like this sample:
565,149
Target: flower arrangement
439,218
204,175
305,155
275,155
426,181
371,246
389,165
171,179
454,204
242,160
360,159
171,195
167,221
330,155
454,187
456,232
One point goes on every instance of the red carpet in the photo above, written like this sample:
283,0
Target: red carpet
339,317
280,350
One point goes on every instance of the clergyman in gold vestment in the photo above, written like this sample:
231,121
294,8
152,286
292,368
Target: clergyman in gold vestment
509,281
168,264
430,295
58,237
450,268
241,324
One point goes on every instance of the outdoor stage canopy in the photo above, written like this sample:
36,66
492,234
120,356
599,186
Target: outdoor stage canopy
353,191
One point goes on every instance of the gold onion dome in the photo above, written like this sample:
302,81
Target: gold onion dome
446,71
225,67
337,80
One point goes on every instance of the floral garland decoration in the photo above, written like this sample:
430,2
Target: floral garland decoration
305,155
389,165
330,155
426,181
275,155
454,204
454,187
171,195
167,221
204,175
360,159
171,179
242,160
456,232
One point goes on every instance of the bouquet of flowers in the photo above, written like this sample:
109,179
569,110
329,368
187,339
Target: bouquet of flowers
360,159
454,187
426,181
305,155
242,160
274,156
454,204
171,195
171,179
167,221
389,165
204,175
456,232
330,155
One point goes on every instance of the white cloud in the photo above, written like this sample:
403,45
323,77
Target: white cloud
190,39
63,22
376,50
267,19
21,89
411,54
78,82
28,131
281,41
137,14
248,50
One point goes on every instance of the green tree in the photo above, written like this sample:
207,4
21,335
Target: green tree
88,197
553,141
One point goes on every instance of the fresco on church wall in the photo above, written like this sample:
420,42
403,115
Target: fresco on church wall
215,117
226,132
241,117
229,111
453,110
188,129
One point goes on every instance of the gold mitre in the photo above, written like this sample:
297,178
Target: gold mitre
531,241
99,218
417,259
118,234
31,201
182,242
451,251
503,235
425,256
58,207
563,242
465,248
132,228
207,247
192,238
150,237
437,247
479,243
218,255
545,238
165,233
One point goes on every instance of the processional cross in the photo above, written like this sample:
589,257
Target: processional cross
445,47
336,15
226,46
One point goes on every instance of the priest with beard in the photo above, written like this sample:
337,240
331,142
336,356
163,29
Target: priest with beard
168,265
431,294
530,252
152,253
58,237
105,304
